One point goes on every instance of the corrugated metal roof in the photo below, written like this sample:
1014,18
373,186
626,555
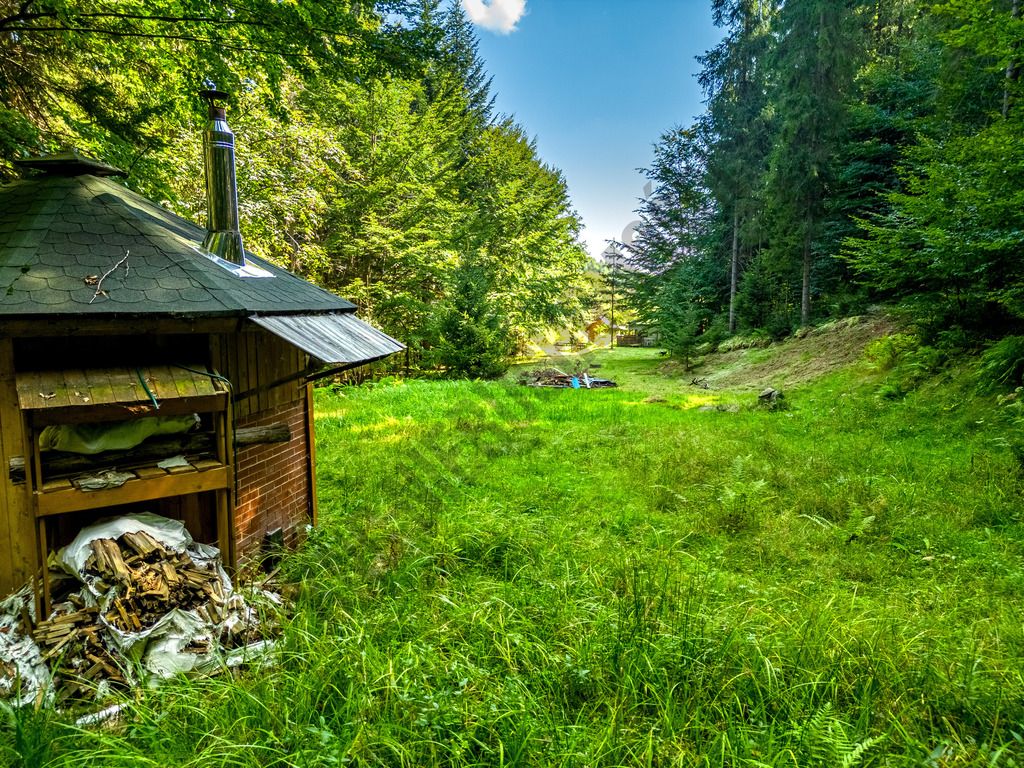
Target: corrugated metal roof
334,339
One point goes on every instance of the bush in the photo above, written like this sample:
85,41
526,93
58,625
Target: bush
1002,364
906,360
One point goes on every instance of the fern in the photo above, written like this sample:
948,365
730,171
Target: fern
857,524
826,741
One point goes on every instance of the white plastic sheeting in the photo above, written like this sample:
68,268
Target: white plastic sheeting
24,676
160,650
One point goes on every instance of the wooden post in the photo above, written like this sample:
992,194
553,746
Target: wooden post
17,523
314,512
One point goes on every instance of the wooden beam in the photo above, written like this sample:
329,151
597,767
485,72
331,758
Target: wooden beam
80,325
7,520
274,433
80,414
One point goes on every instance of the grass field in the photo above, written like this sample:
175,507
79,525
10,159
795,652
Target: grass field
507,576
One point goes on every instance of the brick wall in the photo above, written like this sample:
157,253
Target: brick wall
273,480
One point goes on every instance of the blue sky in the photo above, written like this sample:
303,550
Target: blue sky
596,82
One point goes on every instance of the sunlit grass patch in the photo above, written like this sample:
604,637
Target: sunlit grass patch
512,576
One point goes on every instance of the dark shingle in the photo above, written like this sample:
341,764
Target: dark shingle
67,228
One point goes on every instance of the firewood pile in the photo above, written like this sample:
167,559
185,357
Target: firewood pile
552,377
151,580
73,641
136,589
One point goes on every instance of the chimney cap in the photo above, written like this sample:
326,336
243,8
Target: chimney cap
212,96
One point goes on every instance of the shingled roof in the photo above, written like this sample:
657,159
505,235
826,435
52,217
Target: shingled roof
57,231
60,233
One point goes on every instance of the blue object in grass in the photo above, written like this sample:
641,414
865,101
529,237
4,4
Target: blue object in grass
575,382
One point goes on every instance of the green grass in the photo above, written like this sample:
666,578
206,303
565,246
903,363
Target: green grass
507,576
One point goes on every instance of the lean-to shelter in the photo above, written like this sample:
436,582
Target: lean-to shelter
114,311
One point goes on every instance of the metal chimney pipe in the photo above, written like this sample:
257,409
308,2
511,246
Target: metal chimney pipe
223,237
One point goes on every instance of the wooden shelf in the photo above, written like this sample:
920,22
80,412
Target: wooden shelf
145,486
90,396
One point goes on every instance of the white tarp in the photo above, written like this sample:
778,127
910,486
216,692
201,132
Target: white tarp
162,649
24,675
159,647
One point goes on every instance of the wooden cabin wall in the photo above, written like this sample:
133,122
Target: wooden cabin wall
275,486
17,527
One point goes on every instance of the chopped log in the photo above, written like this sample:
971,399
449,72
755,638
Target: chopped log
109,560
143,543
58,464
275,433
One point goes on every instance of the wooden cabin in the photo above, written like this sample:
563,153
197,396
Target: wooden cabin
112,310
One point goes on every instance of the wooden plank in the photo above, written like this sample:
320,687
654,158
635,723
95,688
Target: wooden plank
119,412
185,382
213,352
217,362
314,509
124,386
225,500
76,387
42,574
201,465
59,502
252,366
146,473
101,385
160,379
56,485
252,369
272,360
300,362
225,532
33,390
48,390
237,375
190,511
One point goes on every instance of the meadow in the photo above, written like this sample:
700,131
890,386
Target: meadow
511,576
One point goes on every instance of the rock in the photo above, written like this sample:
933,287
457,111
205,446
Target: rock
772,399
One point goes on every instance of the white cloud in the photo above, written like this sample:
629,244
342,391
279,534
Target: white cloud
495,15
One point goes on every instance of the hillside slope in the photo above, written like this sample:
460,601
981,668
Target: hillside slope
800,359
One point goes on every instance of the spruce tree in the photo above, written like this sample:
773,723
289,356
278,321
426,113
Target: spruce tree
815,62
735,79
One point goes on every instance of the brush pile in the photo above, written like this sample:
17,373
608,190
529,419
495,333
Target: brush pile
149,601
552,377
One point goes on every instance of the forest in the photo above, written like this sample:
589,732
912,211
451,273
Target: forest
851,153
370,157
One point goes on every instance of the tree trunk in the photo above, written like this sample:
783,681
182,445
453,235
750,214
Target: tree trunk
1013,68
734,268
805,290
